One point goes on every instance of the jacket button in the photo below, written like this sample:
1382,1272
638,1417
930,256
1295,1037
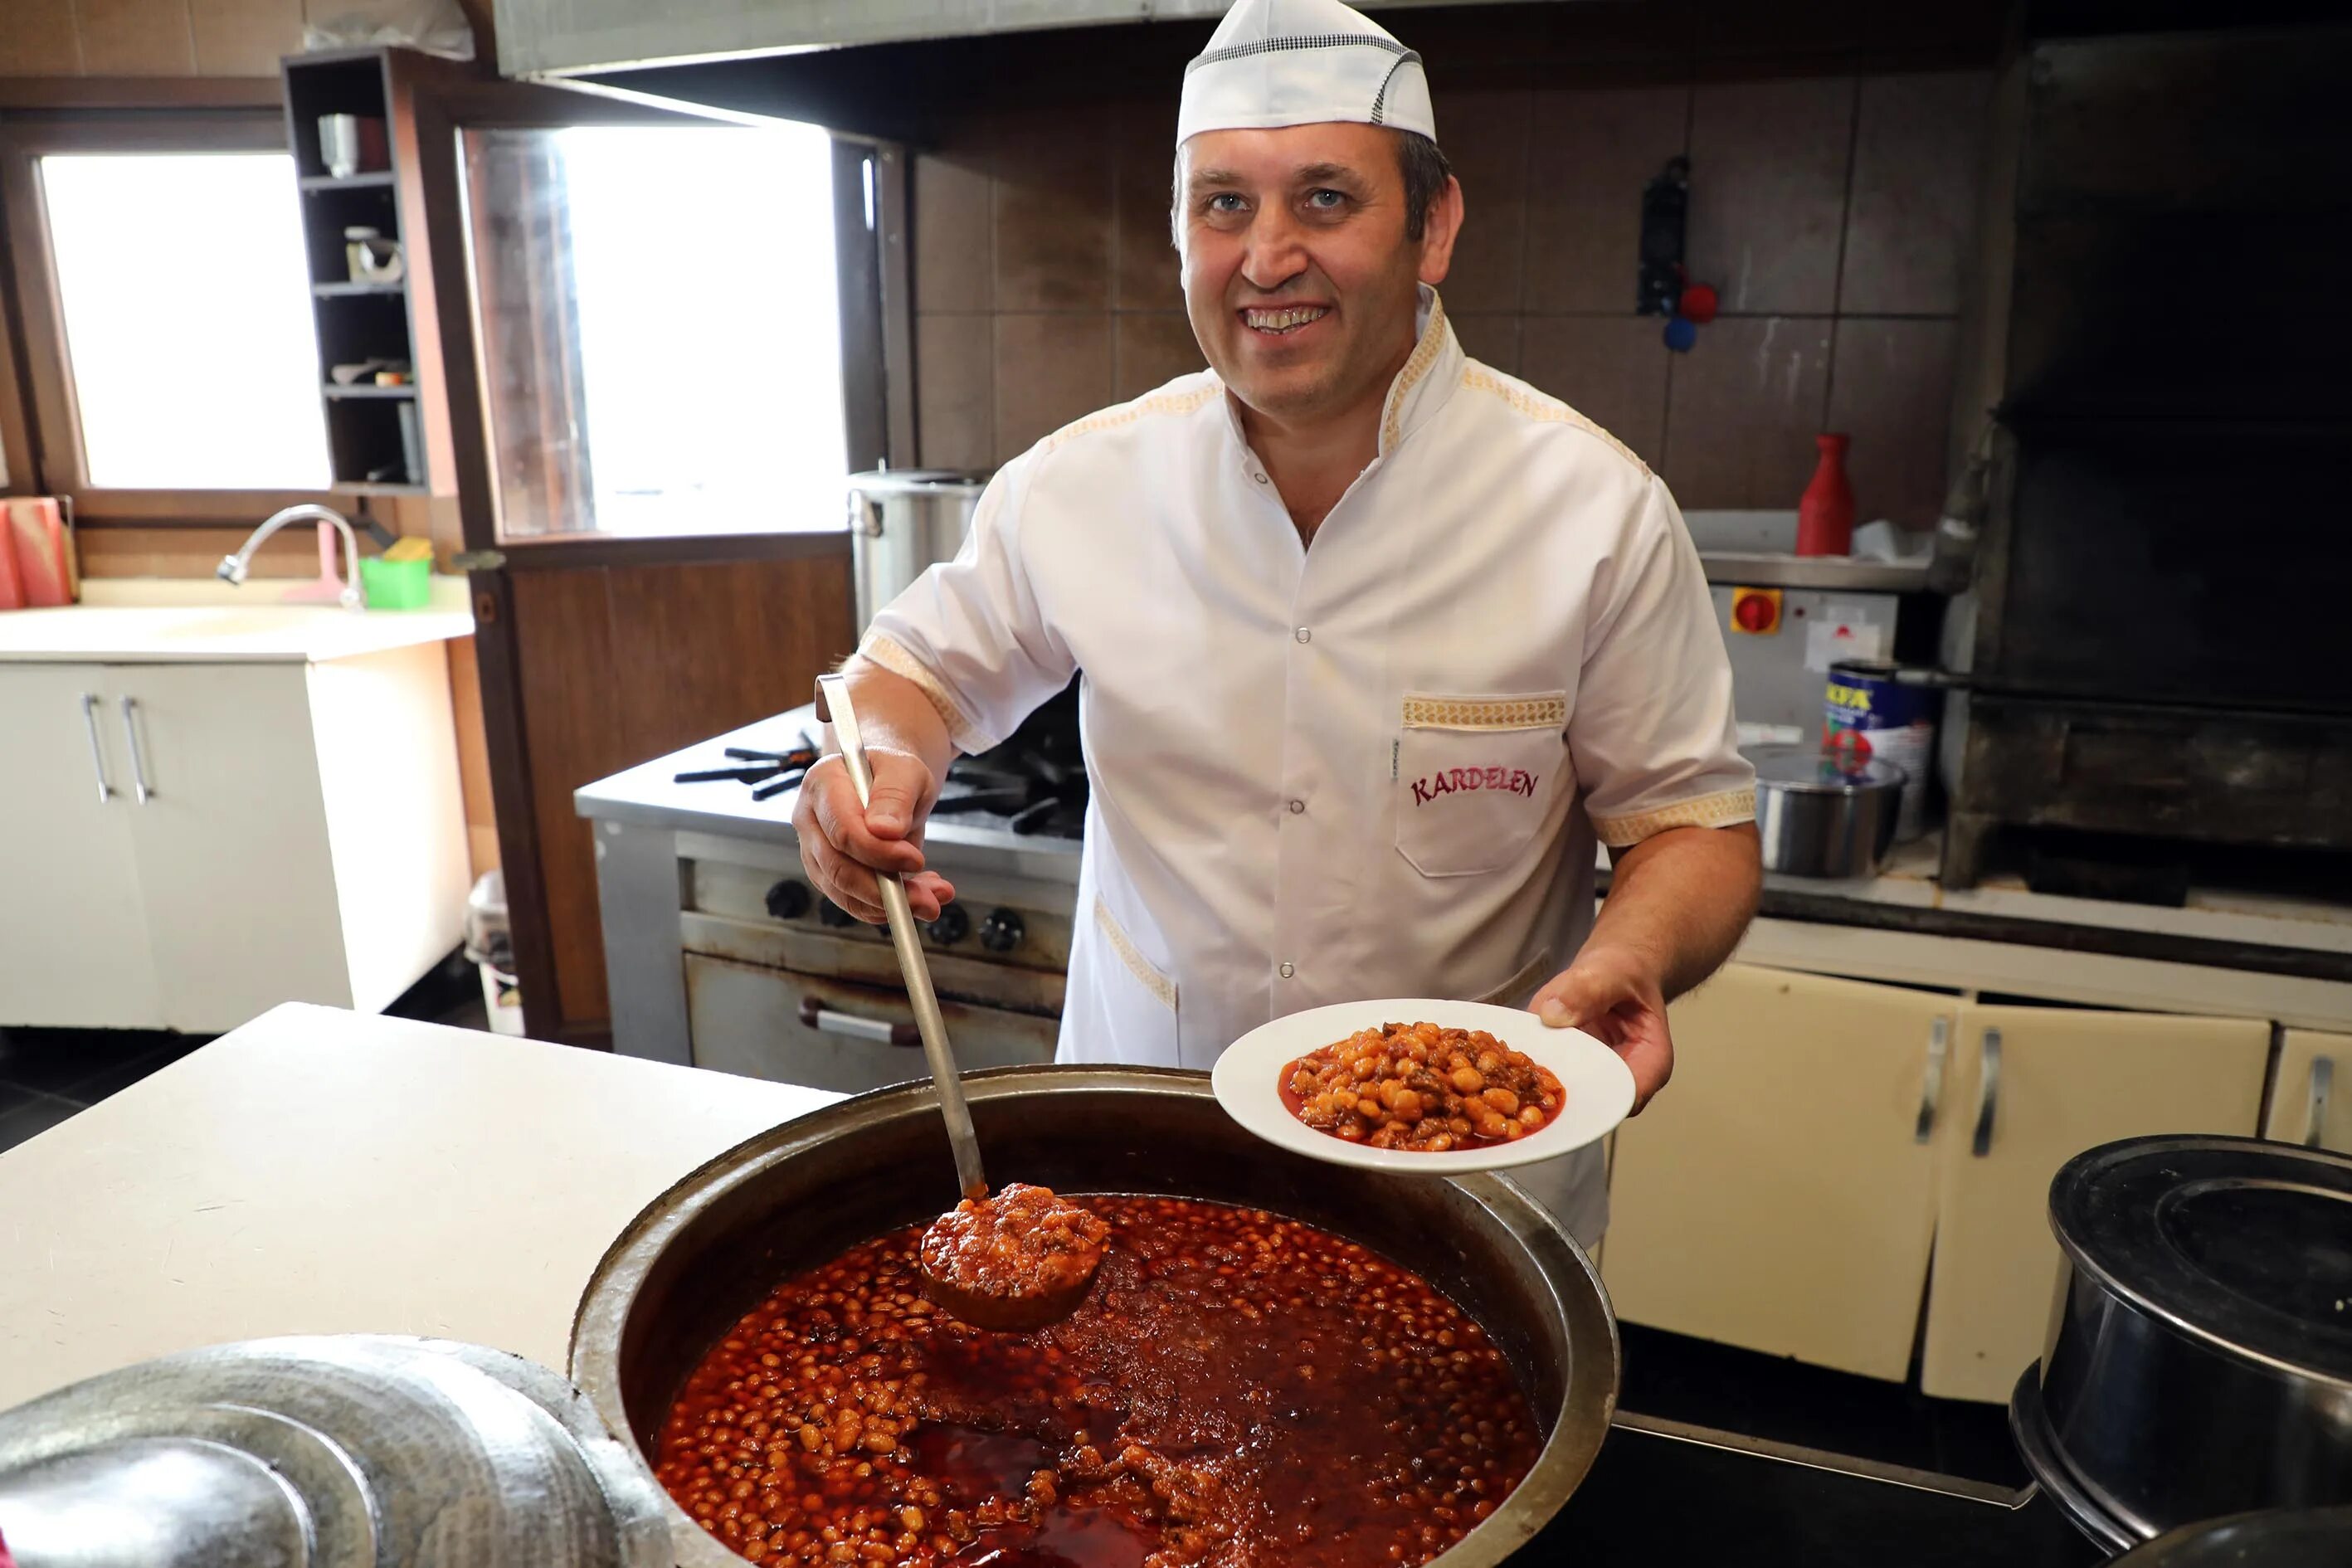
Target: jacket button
1259,477
1287,971
1303,635
1297,806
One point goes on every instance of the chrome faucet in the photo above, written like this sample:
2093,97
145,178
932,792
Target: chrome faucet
233,568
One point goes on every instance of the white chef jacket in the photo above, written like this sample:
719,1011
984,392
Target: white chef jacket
1373,767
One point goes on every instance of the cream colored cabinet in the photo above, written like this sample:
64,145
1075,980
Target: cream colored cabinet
2032,1088
2311,1097
73,931
1780,1194
237,836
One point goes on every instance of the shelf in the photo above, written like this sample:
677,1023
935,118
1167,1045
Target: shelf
375,179
363,487
347,291
367,389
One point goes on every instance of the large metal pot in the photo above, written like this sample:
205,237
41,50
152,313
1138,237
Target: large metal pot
902,522
2199,1360
1820,814
709,1248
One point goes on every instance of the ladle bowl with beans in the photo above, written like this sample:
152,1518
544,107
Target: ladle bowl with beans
761,1337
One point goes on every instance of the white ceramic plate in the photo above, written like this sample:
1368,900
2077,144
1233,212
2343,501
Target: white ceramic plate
1597,1085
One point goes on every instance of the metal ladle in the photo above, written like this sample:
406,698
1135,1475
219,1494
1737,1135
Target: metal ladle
1000,1311
832,705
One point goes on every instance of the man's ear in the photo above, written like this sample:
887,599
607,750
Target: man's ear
1440,228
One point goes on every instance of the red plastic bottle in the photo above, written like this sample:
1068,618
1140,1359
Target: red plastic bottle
1825,516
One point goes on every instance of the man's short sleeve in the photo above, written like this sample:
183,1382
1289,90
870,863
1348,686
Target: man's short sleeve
969,632
1652,734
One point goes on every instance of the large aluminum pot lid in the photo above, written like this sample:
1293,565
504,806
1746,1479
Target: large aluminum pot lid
920,481
2244,1244
1811,769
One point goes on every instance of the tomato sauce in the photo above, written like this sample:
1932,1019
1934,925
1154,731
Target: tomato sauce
1238,1391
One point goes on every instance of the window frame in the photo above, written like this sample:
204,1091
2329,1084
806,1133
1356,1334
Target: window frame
40,417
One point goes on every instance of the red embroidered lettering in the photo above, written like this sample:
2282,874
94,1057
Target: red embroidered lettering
1494,778
1421,792
1437,784
1530,791
1457,779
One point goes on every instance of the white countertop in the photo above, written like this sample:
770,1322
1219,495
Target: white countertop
254,633
325,1171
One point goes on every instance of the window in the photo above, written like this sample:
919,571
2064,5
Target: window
187,314
661,328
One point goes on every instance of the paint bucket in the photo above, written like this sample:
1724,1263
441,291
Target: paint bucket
1887,713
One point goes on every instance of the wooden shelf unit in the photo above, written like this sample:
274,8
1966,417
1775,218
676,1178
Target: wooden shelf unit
381,440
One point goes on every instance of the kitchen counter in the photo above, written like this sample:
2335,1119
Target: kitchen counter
325,1171
2259,932
322,1171
250,633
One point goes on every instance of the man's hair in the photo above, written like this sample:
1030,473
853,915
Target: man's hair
1423,166
1425,173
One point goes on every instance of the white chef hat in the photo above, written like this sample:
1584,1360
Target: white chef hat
1302,62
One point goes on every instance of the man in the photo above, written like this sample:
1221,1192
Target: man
1374,639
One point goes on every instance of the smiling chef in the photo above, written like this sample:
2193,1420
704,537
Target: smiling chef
1375,641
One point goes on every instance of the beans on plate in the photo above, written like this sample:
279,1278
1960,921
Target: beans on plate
1421,1087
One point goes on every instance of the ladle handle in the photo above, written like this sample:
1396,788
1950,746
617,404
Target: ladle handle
833,698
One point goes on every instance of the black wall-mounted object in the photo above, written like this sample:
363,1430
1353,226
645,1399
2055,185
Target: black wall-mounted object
2161,641
1665,209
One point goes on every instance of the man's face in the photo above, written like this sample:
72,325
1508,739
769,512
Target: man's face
1298,277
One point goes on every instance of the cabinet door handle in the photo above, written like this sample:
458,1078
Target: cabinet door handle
824,1020
96,757
138,758
1988,1091
1931,1083
2322,1078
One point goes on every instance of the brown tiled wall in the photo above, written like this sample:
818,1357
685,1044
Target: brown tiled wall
1834,214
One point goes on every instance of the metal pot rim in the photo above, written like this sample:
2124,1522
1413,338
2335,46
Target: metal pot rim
1578,1426
2066,1196
920,481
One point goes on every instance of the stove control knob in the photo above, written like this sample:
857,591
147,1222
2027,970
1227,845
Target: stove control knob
788,900
952,926
1002,932
833,915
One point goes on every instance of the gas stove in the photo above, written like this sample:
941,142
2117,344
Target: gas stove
720,954
1035,783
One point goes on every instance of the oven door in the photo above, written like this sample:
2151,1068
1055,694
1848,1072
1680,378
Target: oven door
795,1027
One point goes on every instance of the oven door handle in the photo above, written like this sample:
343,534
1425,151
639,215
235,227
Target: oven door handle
824,1020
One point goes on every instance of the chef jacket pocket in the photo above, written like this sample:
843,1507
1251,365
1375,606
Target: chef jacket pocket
1134,1011
1475,777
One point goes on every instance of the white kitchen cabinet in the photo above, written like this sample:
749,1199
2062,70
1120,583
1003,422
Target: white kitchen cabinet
276,831
2033,1087
73,935
1779,1195
2311,1095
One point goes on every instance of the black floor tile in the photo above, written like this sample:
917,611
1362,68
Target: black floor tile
36,1114
59,1061
117,1078
1708,1384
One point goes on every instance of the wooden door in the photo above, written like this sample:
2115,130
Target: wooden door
2311,1092
2033,1087
600,645
73,941
1779,1195
234,862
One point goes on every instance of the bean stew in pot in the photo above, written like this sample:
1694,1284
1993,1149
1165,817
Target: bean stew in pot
1238,1390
